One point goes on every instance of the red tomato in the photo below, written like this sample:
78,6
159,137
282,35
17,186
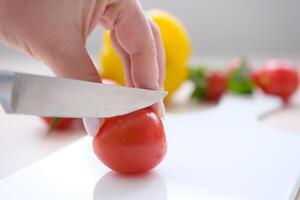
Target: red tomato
58,123
216,86
132,143
277,77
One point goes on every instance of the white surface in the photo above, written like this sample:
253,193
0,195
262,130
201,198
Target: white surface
25,139
220,153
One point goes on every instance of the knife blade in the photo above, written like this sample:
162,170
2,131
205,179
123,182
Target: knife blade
30,94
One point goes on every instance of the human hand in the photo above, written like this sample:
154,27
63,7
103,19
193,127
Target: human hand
55,32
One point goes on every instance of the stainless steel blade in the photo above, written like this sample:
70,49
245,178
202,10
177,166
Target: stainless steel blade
62,97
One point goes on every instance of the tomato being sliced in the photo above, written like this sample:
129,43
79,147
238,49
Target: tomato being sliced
132,143
278,78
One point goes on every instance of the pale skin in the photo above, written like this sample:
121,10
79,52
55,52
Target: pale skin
55,32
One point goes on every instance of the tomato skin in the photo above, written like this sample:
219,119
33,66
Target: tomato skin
132,143
216,86
208,85
62,123
278,78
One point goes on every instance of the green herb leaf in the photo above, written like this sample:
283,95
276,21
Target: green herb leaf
54,123
198,77
239,80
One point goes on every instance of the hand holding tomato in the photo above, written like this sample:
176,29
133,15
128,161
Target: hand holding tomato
132,143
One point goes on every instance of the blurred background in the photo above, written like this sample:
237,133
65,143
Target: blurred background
255,28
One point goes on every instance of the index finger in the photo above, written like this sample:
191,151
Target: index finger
133,34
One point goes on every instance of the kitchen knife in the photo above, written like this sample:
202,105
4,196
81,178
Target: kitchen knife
22,93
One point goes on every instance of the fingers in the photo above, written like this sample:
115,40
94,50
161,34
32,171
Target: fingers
138,44
161,59
124,57
159,107
92,125
69,59
133,34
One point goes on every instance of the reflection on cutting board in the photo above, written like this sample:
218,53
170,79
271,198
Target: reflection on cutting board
25,139
114,186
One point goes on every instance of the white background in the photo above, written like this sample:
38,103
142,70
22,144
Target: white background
229,28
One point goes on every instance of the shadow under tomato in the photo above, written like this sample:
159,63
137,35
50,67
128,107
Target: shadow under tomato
113,186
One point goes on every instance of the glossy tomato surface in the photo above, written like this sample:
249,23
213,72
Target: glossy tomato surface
132,143
278,77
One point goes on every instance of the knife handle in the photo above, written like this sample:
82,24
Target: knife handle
6,89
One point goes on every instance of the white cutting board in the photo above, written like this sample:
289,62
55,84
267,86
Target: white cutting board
219,153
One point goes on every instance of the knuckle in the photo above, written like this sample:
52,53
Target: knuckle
148,52
51,51
152,51
52,48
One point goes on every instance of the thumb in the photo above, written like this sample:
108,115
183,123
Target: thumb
72,60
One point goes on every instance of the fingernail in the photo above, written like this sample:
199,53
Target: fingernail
159,107
162,109
92,125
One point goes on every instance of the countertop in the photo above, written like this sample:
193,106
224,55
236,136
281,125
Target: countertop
20,147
